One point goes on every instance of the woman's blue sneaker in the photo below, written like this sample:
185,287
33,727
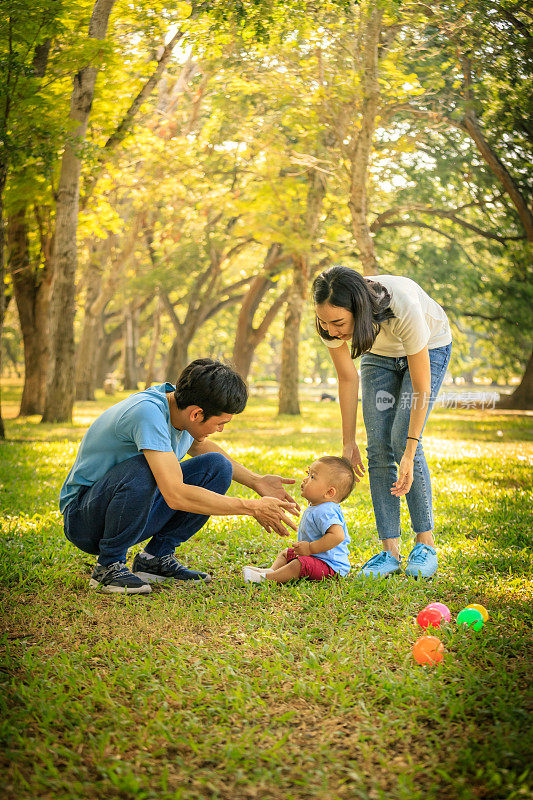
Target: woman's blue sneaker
382,565
422,561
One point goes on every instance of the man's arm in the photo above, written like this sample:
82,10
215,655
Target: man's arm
270,512
264,485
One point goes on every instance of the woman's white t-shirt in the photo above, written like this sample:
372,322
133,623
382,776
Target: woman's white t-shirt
418,320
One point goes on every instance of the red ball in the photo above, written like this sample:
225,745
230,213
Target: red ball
445,611
428,650
430,617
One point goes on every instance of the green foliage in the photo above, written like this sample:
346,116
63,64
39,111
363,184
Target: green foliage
275,97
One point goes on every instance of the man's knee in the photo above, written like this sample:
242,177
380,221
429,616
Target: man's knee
222,470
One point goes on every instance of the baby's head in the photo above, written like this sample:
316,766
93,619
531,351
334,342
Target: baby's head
329,478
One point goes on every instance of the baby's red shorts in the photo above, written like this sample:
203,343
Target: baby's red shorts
312,568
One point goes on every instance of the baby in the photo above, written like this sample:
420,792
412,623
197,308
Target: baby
322,547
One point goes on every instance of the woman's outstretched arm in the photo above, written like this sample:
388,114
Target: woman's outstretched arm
348,379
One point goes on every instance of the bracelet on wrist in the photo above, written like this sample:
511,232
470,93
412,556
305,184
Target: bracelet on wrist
413,438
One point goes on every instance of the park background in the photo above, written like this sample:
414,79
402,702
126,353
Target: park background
172,177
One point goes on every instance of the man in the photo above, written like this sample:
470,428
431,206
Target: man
127,484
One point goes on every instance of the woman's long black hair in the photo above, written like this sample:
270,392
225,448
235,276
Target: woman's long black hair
369,302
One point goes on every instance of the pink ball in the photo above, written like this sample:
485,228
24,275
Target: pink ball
444,610
430,617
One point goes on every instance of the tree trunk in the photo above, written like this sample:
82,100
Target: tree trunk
247,338
289,378
178,358
3,177
32,291
99,293
522,397
289,373
105,359
362,149
61,384
156,330
131,342
321,371
87,357
90,341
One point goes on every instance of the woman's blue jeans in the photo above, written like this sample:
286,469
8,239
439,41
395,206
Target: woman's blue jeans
125,507
387,394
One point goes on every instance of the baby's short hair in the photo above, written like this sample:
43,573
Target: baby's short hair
343,474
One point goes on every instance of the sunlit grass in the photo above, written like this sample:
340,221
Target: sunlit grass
300,691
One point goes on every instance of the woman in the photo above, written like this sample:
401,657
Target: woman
405,341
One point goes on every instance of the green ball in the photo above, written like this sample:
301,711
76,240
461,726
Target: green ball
471,617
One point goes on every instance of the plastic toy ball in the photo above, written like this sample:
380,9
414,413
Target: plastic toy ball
428,650
470,617
482,610
430,616
444,610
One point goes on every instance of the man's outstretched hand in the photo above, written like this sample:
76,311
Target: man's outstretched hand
273,486
271,513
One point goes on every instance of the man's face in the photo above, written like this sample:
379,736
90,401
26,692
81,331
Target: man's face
200,429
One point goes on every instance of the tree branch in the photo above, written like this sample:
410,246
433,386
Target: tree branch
171,312
122,129
219,306
270,315
475,315
380,221
407,223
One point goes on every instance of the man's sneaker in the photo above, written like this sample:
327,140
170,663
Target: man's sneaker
382,565
422,561
165,568
117,579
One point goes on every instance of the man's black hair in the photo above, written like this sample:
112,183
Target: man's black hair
213,386
369,303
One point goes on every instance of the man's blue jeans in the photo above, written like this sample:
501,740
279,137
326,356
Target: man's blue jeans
387,394
125,507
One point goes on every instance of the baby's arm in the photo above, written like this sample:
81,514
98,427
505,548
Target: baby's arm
333,536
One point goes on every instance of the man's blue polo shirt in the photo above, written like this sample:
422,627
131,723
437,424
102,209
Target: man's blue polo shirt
140,422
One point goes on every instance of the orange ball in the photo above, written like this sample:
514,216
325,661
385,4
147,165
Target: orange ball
428,650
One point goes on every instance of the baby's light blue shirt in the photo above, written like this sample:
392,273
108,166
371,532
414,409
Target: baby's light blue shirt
314,524
140,422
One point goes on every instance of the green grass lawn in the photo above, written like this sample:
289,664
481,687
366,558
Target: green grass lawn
295,691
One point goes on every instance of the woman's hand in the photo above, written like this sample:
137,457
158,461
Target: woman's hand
351,452
405,477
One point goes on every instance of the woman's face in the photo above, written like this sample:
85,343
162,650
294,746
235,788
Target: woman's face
336,321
